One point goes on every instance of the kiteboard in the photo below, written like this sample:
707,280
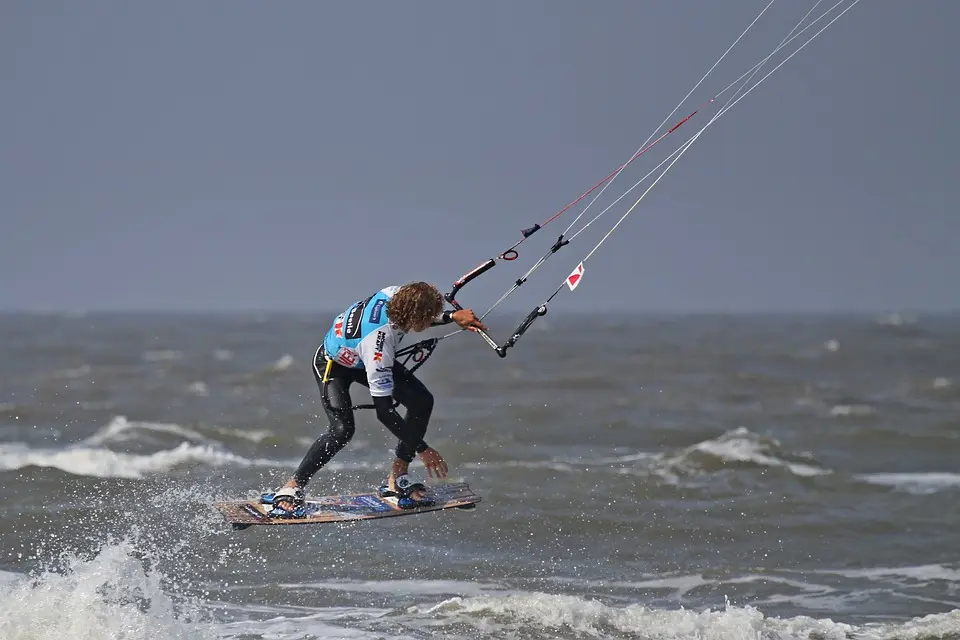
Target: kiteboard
346,507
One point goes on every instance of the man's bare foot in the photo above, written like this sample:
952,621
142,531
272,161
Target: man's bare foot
401,467
285,502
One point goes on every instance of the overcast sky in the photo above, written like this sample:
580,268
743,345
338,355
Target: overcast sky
299,155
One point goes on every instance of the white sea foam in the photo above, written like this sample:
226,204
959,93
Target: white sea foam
111,596
916,483
852,410
120,429
739,446
285,362
114,594
92,456
104,463
70,374
541,615
406,587
199,388
162,355
925,573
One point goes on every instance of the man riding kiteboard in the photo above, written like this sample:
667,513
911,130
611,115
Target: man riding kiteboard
360,347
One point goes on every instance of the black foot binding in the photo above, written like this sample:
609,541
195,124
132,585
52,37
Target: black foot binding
288,502
405,488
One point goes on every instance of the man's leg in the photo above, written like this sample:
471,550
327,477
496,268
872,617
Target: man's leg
337,435
338,408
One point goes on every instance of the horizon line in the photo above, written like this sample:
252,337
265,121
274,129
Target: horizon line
886,311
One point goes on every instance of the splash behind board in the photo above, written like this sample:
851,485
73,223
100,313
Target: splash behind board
347,507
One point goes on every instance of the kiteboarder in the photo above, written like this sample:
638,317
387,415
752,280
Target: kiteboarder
359,347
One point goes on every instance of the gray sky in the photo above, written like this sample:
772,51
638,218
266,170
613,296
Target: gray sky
221,155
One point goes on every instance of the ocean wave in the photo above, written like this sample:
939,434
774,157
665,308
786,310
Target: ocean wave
104,463
110,596
121,591
919,483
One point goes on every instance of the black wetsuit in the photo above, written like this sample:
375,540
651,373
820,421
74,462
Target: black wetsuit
408,390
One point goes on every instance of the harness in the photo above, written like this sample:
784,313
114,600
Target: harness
418,353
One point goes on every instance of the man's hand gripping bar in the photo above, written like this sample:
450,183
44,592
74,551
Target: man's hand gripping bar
521,329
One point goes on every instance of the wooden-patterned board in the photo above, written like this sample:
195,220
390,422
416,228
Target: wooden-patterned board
347,507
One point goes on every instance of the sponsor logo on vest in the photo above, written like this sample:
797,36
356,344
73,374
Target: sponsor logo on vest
354,319
377,310
383,384
346,356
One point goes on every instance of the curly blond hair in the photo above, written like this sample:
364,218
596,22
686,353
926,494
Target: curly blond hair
414,305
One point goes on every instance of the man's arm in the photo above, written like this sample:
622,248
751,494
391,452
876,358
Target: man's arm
377,352
445,318
464,318
396,425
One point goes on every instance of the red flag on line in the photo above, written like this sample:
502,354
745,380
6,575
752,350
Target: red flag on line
574,278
